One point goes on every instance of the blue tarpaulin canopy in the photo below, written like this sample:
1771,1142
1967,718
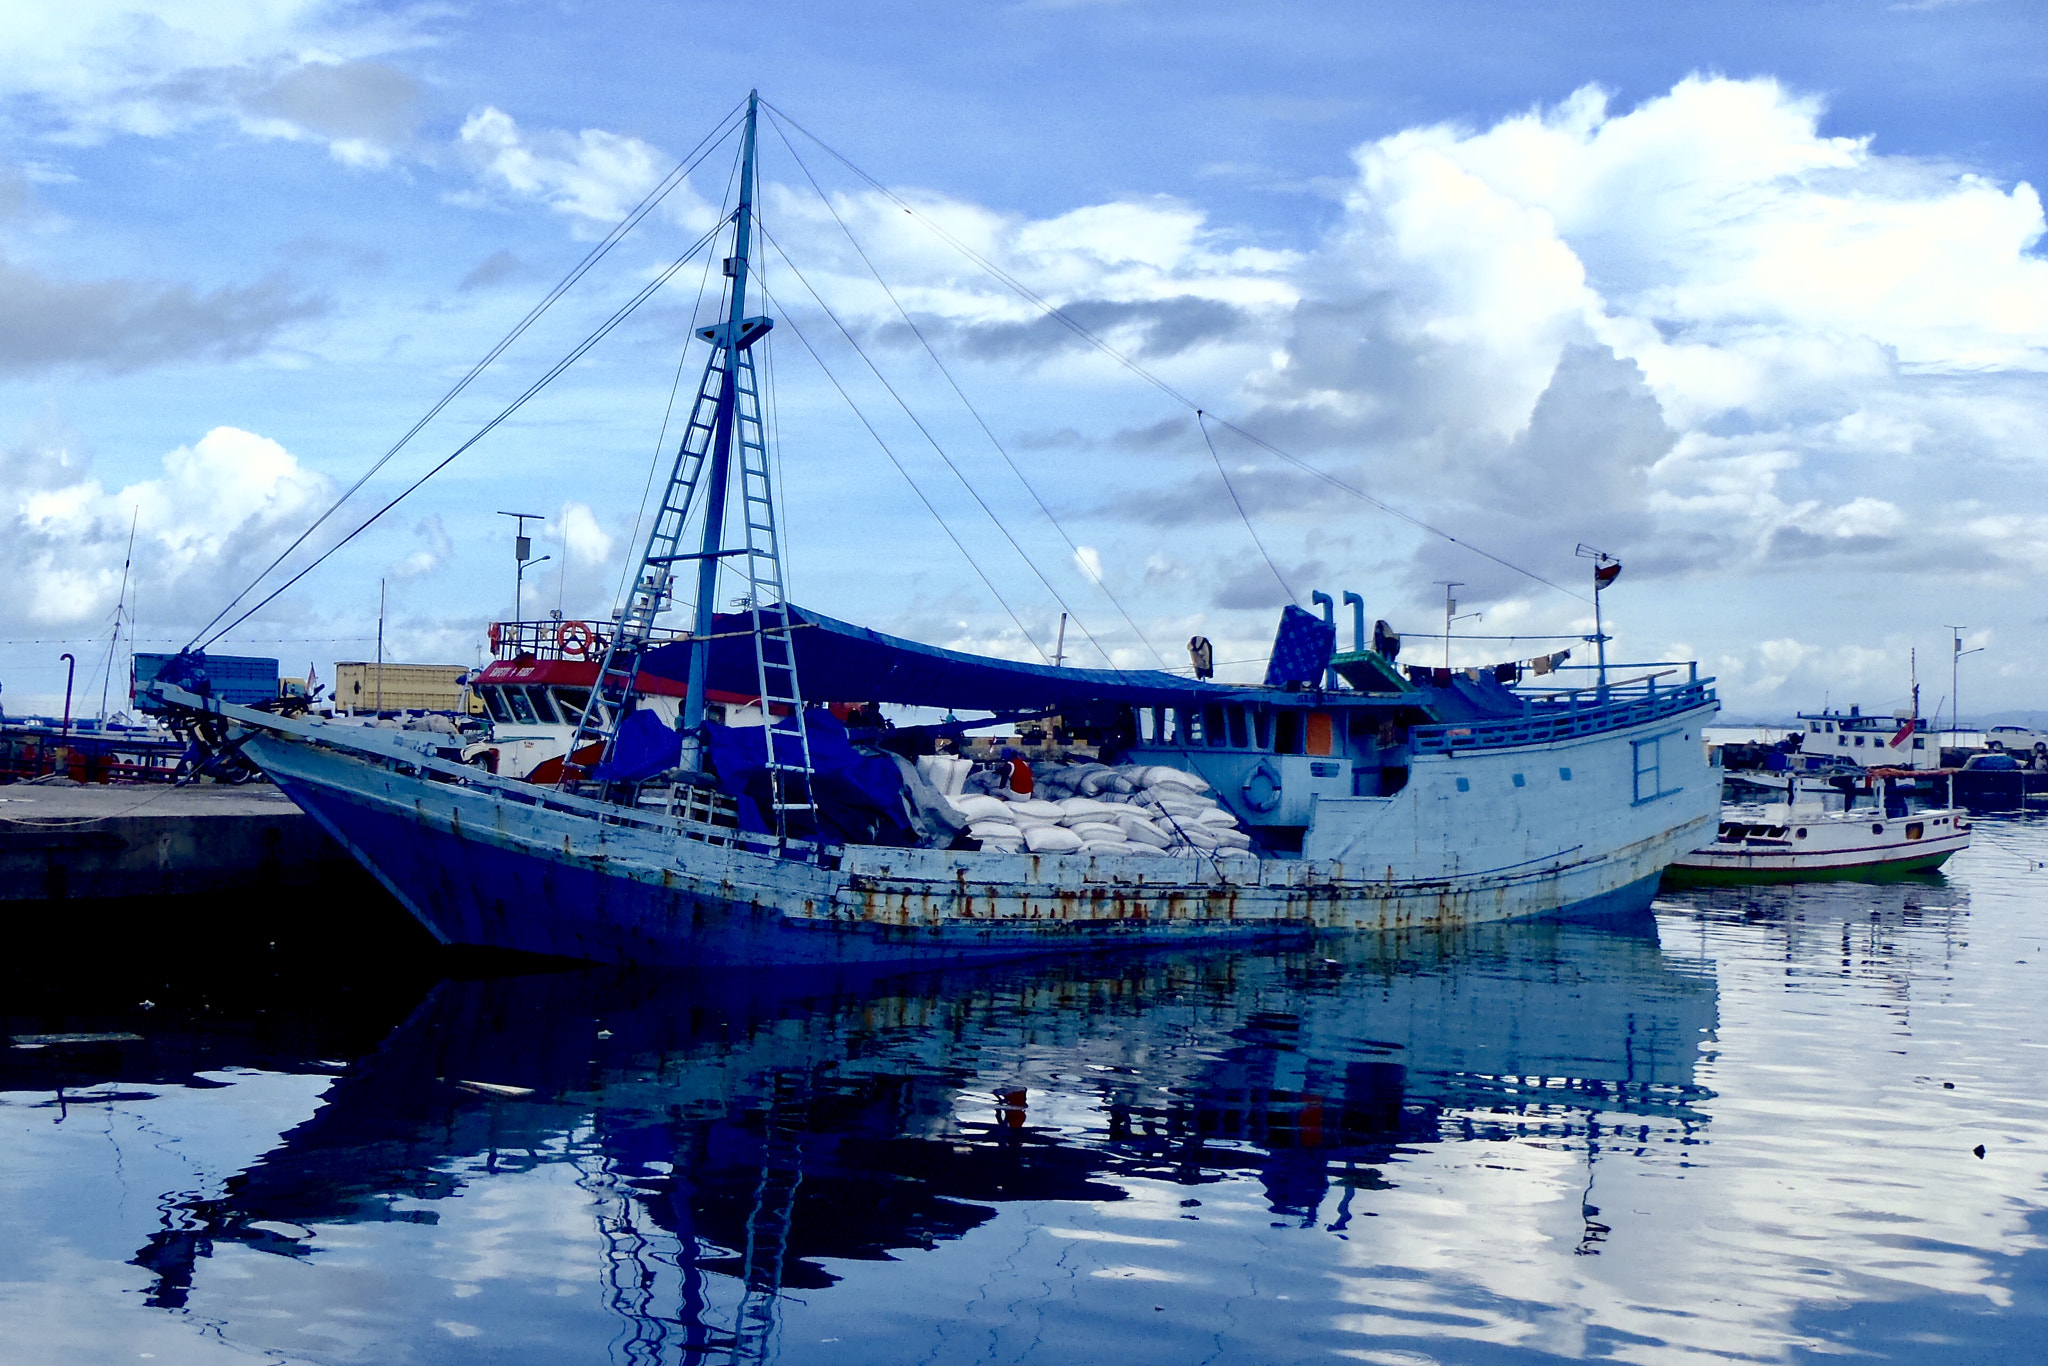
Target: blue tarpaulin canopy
840,662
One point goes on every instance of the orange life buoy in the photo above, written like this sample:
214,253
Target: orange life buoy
576,639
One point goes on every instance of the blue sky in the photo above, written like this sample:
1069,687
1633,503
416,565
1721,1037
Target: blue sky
1751,296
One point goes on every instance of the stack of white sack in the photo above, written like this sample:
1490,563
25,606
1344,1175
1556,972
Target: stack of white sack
947,773
1146,810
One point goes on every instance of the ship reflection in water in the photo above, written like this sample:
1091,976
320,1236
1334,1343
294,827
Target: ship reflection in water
1696,1133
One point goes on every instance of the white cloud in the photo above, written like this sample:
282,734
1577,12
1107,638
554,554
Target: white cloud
219,510
586,542
436,550
1817,331
593,176
85,71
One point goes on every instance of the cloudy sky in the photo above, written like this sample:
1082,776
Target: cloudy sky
1751,296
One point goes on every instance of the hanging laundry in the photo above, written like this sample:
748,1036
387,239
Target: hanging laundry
1203,656
1507,673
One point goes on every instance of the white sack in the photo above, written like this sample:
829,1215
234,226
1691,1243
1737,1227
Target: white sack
1159,775
1050,839
1085,806
977,807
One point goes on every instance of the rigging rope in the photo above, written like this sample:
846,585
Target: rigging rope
627,566
1060,316
619,230
604,329
943,526
918,422
1202,419
966,402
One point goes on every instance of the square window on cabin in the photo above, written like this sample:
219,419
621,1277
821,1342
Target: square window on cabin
1239,736
1919,744
1649,774
1213,726
1520,781
494,704
522,709
1287,733
1565,774
1464,784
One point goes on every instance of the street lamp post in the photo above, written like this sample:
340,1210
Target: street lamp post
1955,708
1453,615
522,551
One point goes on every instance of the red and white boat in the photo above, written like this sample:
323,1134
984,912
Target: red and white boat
537,684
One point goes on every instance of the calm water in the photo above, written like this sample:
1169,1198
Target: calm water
1745,1129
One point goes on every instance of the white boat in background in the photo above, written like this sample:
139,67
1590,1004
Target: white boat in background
1791,842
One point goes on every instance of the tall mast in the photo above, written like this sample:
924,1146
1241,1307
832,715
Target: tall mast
730,341
725,444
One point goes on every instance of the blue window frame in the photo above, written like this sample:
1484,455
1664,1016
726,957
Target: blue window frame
1649,768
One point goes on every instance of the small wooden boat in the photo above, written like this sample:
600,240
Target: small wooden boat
1791,843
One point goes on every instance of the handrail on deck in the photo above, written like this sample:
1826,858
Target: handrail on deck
1566,715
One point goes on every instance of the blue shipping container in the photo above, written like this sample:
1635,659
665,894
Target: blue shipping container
242,679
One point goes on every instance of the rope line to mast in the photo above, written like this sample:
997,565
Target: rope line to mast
626,566
1201,418
625,225
918,422
966,402
1059,315
604,329
900,469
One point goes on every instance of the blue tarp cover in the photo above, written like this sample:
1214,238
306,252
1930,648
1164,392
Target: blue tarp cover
859,793
1301,649
645,745
840,662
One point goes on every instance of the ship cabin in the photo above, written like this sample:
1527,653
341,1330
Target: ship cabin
1274,754
1832,737
1345,725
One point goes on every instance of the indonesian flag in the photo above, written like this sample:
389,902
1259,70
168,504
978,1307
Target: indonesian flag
1905,733
1605,574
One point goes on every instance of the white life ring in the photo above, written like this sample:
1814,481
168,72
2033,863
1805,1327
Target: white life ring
1269,776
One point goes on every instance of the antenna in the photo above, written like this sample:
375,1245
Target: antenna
1606,569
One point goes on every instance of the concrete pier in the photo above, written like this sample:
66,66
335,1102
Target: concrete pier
61,841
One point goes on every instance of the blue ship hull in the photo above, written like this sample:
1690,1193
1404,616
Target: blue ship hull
484,893
495,864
